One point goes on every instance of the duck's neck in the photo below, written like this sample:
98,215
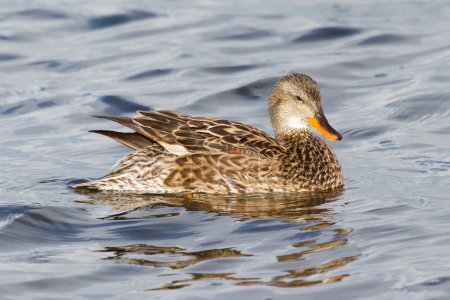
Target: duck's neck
286,125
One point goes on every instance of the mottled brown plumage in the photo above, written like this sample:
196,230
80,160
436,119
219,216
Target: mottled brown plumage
178,153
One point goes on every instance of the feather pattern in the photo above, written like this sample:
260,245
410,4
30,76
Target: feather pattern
178,153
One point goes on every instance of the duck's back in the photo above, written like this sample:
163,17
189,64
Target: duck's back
177,153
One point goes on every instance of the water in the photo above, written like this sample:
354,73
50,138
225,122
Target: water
383,69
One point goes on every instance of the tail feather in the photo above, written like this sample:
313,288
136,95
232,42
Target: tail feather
128,122
133,140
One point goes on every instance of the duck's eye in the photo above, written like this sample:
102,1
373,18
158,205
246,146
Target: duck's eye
299,99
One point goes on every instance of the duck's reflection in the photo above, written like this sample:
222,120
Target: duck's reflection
306,210
197,256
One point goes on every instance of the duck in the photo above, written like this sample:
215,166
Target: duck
177,153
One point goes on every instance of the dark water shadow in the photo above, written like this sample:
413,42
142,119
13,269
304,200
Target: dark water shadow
240,34
318,236
8,56
228,69
384,39
117,105
48,64
119,19
150,74
326,33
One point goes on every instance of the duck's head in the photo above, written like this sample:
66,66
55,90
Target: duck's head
295,103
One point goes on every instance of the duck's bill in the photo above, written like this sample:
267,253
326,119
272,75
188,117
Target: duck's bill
320,123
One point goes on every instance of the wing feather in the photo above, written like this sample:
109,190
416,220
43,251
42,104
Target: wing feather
201,134
180,134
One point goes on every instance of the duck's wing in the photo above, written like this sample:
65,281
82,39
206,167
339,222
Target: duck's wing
182,134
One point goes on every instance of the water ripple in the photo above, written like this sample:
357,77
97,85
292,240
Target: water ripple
239,96
43,14
25,106
419,107
41,226
365,133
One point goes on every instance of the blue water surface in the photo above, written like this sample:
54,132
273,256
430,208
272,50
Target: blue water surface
383,68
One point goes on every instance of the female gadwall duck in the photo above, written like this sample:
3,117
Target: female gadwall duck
177,153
